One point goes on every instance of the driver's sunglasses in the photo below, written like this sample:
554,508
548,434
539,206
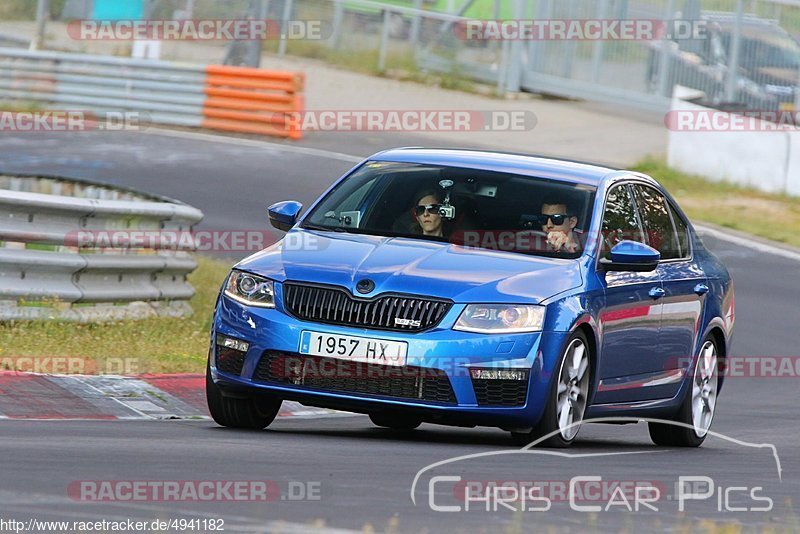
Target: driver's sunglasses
557,218
433,209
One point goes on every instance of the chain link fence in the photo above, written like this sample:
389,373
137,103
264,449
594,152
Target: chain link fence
741,53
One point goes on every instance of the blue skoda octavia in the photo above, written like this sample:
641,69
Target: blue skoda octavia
471,288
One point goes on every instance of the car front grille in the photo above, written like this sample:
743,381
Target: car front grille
494,392
335,305
344,376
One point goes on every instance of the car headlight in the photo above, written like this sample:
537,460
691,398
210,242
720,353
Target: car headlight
501,318
250,289
752,87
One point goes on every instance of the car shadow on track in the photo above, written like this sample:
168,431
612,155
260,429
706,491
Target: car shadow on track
434,435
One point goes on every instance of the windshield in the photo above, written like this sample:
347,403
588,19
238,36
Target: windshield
763,49
465,207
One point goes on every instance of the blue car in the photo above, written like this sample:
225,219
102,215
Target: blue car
474,288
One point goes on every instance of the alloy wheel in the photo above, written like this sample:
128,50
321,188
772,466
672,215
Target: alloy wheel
573,387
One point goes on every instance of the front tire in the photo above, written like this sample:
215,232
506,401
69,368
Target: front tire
697,409
247,413
567,401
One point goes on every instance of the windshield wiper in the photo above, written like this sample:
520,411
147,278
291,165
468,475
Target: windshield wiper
312,226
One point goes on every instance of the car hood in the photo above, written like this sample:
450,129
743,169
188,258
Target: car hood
777,76
404,265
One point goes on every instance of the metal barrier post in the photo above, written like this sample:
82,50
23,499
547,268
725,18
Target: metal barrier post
502,71
797,95
413,36
338,16
515,53
41,17
543,11
664,88
384,40
287,10
570,45
597,52
733,59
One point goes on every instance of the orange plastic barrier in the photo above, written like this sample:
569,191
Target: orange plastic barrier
247,100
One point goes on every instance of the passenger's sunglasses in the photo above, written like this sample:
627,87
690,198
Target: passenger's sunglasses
557,218
430,208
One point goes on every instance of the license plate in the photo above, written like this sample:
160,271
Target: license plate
358,349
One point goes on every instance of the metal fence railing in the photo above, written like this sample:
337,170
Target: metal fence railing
57,259
745,56
748,58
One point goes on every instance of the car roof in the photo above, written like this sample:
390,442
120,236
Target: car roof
522,164
728,19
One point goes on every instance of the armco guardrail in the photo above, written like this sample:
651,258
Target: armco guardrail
8,39
243,99
46,271
235,99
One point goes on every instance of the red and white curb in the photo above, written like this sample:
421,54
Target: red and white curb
177,396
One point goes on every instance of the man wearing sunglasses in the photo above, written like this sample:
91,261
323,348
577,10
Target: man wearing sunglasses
559,222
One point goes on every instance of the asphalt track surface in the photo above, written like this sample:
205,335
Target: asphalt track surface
364,475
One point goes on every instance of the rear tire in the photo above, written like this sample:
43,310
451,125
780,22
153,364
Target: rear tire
395,421
698,406
247,413
568,398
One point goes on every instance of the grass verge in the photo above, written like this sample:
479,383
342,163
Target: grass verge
771,216
21,106
157,345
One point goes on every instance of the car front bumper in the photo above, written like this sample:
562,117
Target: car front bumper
442,353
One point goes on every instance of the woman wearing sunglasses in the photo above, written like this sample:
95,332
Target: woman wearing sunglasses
427,220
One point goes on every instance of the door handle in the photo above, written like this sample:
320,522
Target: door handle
657,292
701,289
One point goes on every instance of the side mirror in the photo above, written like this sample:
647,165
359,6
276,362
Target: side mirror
631,256
283,215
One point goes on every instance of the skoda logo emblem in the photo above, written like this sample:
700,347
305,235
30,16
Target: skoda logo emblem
365,286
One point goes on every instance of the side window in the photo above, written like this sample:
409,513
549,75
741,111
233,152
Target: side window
682,230
657,222
619,220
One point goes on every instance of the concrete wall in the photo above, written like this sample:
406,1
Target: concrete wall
766,160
